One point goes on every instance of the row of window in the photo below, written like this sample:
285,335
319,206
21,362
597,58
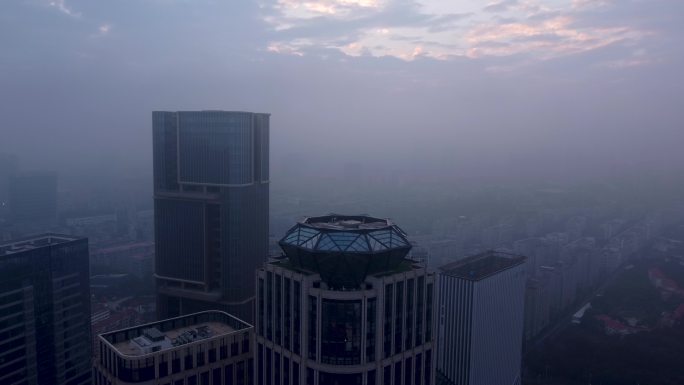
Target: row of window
238,373
274,369
173,362
407,316
280,296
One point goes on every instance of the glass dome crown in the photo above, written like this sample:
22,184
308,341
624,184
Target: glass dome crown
344,249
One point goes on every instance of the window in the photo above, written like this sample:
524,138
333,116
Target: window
387,375
260,320
188,360
370,330
216,377
212,355
399,318
387,334
341,334
312,327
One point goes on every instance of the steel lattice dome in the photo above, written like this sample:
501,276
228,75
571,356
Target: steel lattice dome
344,249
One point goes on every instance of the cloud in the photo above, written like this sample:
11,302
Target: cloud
406,29
62,7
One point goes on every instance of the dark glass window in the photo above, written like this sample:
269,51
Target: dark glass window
399,318
419,367
269,306
229,373
269,366
420,302
428,367
295,373
287,319
286,371
234,349
397,373
408,376
212,355
340,379
278,310
163,369
370,377
188,360
260,365
260,319
408,344
296,311
310,379
387,375
216,377
428,315
341,334
240,373
370,330
387,333
312,327
200,358
276,368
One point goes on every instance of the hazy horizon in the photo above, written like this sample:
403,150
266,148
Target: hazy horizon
425,89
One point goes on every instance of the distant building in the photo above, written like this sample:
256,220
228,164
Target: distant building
211,203
33,197
344,305
481,301
45,308
209,347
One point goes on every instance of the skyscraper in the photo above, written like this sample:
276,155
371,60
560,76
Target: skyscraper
344,306
481,300
211,187
45,316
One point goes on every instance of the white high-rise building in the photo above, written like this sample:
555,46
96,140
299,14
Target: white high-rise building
482,306
345,306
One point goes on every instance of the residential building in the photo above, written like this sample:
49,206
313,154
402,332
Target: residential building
44,297
344,305
210,347
211,189
482,303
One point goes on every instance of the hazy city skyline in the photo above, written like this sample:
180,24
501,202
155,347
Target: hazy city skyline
538,87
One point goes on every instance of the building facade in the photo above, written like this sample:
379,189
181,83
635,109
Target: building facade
45,311
482,303
211,189
206,348
344,306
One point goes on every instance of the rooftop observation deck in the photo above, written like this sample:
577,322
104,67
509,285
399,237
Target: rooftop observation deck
481,266
172,333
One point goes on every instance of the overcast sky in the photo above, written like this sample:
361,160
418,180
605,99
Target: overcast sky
428,84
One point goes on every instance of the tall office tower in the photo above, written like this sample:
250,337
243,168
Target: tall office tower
210,347
45,311
344,306
211,186
33,197
481,301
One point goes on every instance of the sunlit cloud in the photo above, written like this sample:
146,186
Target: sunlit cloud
62,7
539,30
